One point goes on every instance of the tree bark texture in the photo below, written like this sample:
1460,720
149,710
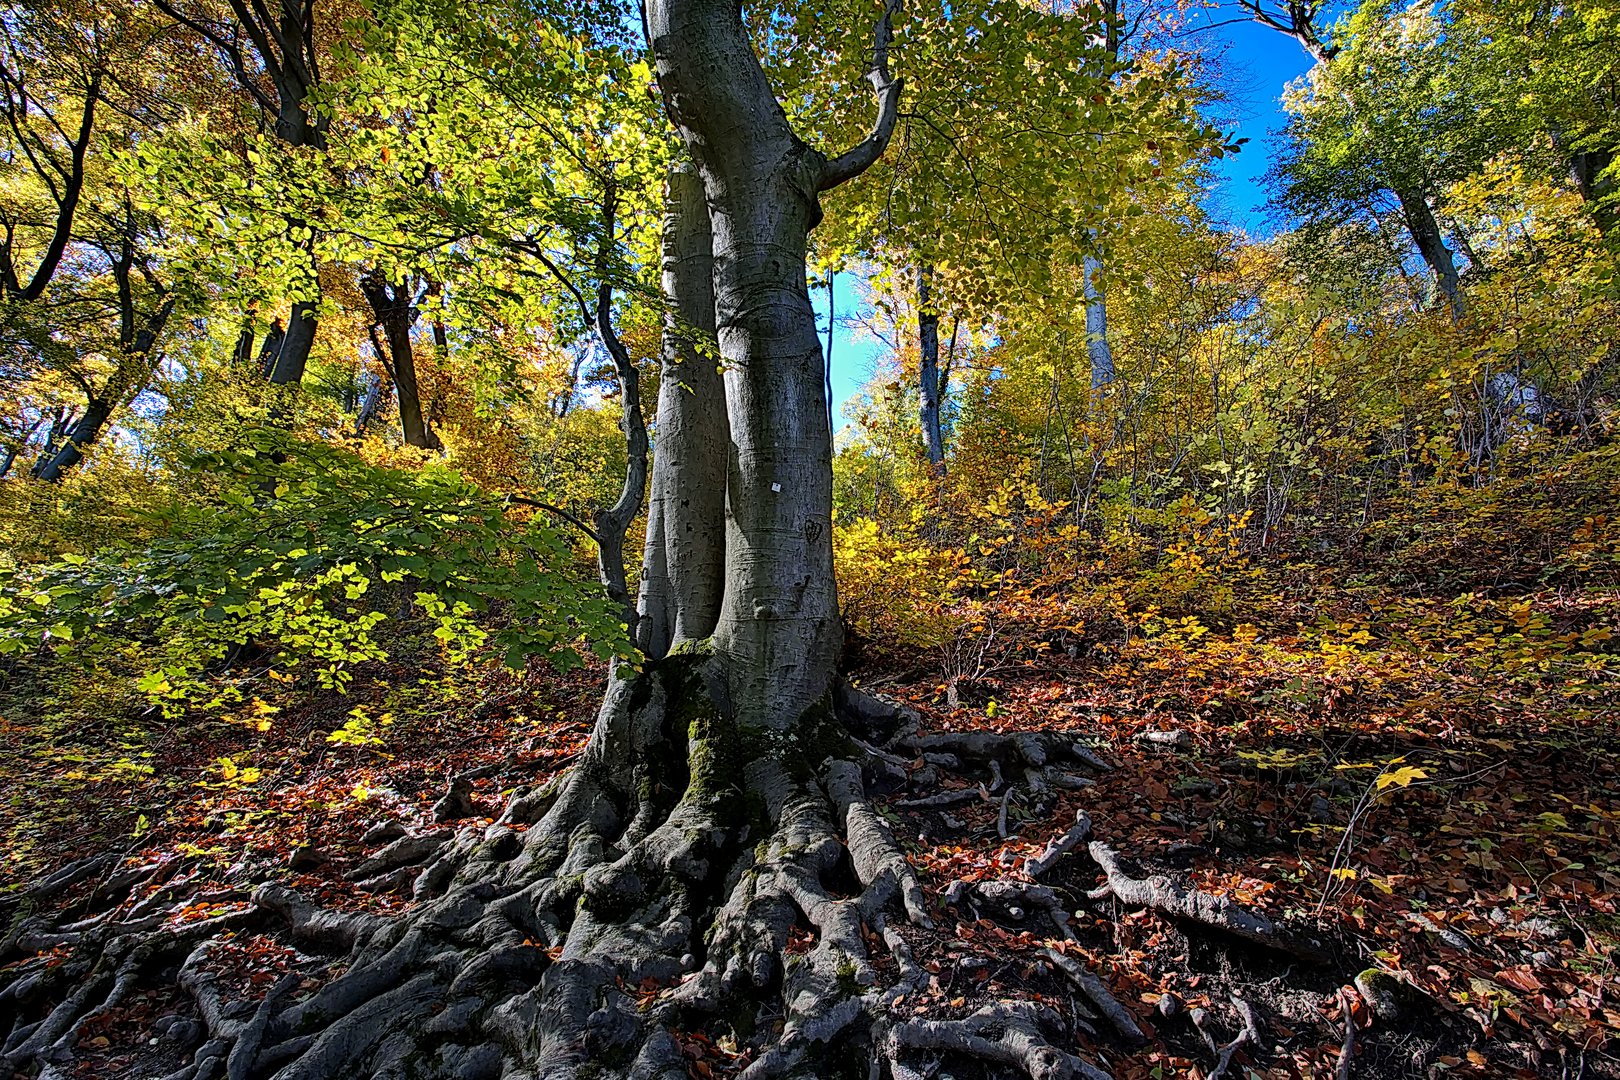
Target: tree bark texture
683,575
778,633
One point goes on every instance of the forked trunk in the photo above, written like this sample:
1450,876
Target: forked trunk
391,306
778,634
58,459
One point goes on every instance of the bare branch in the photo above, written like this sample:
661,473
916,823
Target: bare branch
1298,21
521,500
856,160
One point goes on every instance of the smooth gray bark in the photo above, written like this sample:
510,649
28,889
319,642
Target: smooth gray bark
778,634
1098,351
683,576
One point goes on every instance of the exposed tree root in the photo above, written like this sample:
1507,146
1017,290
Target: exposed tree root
1249,1036
1006,1034
1097,993
688,873
1060,847
1164,894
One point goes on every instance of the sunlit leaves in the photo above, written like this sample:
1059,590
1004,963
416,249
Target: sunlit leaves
305,552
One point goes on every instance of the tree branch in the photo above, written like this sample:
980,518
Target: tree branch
860,157
70,195
1298,22
229,50
560,512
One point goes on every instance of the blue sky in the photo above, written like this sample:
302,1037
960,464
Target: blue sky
1257,61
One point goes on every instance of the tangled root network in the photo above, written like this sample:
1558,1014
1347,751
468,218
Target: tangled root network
684,875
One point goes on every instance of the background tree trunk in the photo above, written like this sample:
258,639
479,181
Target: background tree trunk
1589,170
928,381
1098,351
282,41
129,378
392,307
286,352
1432,246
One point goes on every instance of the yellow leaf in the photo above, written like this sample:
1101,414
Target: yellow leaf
1401,777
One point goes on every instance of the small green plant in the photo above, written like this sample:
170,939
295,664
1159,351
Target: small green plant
361,729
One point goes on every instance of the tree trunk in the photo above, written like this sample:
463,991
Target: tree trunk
928,381
67,202
683,575
126,382
391,306
370,399
1590,172
778,634
57,460
276,45
711,862
285,353
1099,352
1432,246
242,352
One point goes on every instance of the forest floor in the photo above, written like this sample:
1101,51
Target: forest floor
1439,826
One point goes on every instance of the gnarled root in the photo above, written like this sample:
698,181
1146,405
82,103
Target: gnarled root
1005,1034
1164,894
688,872
691,872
